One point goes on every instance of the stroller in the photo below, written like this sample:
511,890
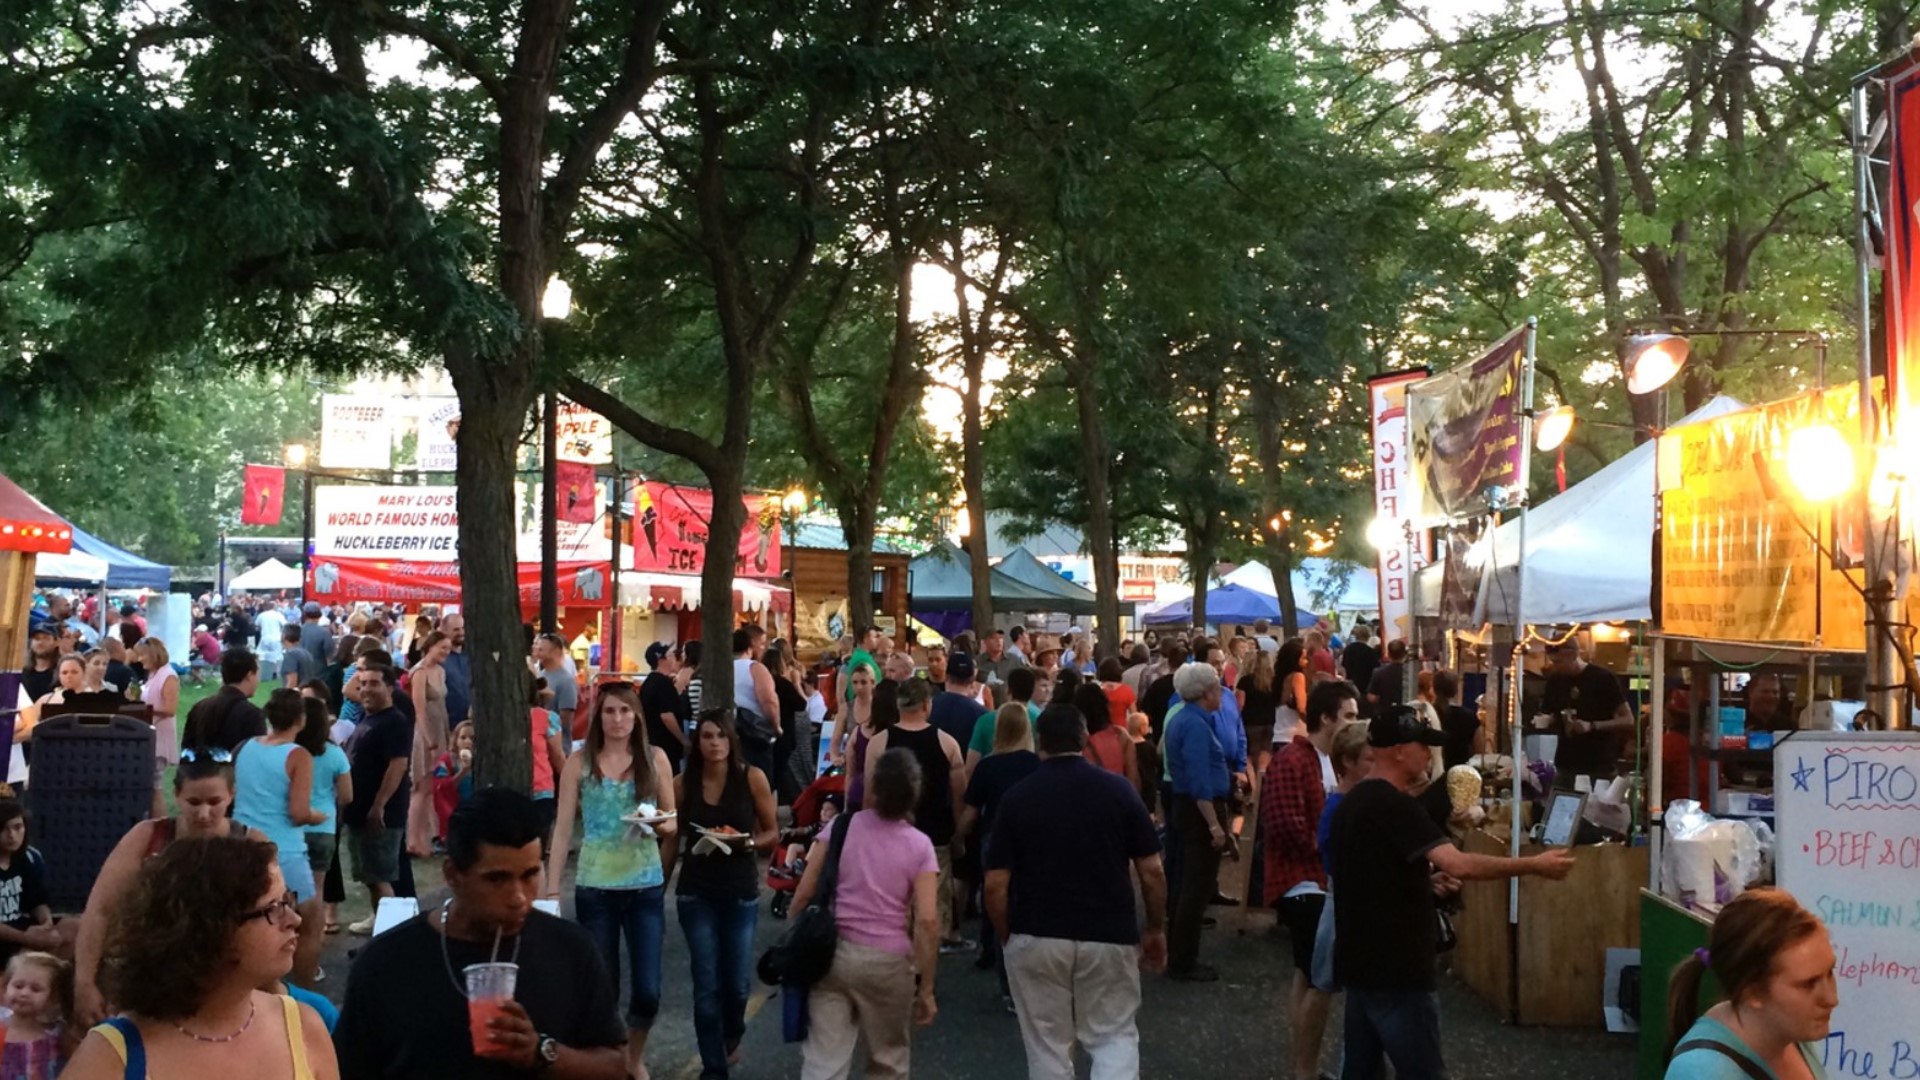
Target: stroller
783,876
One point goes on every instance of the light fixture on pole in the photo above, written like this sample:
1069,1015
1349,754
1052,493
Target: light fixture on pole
1652,360
295,456
1552,428
792,505
1384,533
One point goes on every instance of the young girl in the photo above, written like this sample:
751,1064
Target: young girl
40,993
26,921
453,779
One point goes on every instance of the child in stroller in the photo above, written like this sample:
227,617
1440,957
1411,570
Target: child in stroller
821,802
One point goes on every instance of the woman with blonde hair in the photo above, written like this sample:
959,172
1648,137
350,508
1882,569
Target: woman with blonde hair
161,692
1774,966
428,688
1012,761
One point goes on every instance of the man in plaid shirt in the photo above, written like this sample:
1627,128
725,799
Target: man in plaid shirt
1292,795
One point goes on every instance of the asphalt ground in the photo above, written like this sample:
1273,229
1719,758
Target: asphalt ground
1231,1028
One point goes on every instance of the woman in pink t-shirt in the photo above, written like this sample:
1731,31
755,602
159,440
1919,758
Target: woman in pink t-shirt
886,867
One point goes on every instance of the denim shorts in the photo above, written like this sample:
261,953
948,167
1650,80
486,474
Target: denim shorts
375,859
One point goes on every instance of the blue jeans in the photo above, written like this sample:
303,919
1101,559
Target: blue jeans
1402,1025
720,950
640,914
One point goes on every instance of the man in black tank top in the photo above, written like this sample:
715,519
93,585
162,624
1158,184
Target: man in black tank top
942,783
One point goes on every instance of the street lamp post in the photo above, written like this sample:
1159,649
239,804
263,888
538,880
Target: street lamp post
296,458
555,304
792,505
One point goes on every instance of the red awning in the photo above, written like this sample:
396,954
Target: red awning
27,525
346,580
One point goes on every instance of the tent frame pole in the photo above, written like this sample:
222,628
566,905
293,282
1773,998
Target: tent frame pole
1515,738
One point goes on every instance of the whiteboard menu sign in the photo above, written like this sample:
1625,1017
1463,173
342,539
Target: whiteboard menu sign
1848,808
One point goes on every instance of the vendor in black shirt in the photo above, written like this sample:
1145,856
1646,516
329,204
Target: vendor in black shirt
1591,738
405,1013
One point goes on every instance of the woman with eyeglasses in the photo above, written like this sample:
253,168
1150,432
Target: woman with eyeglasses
203,790
203,927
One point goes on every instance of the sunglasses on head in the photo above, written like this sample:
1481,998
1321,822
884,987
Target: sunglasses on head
211,753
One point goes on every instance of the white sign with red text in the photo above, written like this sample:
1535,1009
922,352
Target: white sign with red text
1392,494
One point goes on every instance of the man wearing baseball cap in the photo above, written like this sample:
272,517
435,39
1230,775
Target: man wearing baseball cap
1388,860
43,660
662,706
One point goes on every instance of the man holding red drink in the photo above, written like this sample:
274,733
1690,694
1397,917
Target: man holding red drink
484,986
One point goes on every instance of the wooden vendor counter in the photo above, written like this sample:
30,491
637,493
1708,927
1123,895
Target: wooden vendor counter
1549,969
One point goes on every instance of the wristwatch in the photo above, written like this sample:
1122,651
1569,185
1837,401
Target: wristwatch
546,1052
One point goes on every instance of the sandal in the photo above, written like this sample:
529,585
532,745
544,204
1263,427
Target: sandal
333,928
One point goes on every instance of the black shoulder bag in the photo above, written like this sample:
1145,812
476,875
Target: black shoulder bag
803,955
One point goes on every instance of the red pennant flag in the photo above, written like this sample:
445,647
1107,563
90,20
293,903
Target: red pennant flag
265,492
573,484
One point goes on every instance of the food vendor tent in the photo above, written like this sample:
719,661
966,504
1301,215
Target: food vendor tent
1069,598
101,563
1235,604
1589,549
942,580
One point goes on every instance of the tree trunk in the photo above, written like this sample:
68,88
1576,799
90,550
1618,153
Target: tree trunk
973,483
491,415
1200,566
1279,559
1277,543
1096,461
858,521
716,590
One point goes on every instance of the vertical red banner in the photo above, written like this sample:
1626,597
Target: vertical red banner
264,492
574,492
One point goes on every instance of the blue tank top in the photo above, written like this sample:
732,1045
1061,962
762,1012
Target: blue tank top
260,803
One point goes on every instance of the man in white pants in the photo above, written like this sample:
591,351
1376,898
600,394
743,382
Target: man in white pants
1073,943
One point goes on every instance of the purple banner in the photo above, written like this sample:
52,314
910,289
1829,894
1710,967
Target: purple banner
1463,432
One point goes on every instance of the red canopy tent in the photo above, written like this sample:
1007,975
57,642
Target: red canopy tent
27,529
27,526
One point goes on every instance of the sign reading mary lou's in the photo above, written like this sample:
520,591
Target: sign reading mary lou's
671,525
415,523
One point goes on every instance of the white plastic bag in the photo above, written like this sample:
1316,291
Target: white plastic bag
1708,861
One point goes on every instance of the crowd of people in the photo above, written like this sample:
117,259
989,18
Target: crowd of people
1079,809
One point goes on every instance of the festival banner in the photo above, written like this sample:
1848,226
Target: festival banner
356,432
1901,279
673,523
436,426
341,580
1462,605
575,490
1387,408
263,493
1463,431
1737,561
582,435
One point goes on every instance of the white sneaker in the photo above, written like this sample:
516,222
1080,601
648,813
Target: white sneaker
363,928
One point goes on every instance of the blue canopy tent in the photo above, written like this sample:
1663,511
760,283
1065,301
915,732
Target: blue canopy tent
1225,604
124,569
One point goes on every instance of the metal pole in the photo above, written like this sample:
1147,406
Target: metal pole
1514,829
614,634
1656,773
549,518
306,532
1886,674
1410,671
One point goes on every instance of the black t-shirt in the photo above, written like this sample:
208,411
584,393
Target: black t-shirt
1594,695
380,738
1460,723
1382,896
1359,659
403,1016
1389,684
224,720
39,684
657,699
955,714
23,887
119,677
1155,703
1069,834
993,778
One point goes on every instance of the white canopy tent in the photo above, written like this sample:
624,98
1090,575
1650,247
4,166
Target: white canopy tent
1589,549
75,566
270,576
